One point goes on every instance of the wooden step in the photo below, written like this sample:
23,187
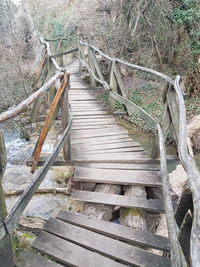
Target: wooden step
32,259
106,246
70,254
151,205
99,147
131,236
121,166
123,177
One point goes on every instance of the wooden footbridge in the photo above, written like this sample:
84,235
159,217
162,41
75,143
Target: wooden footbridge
113,174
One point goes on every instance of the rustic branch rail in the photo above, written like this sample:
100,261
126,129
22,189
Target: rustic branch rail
174,117
8,224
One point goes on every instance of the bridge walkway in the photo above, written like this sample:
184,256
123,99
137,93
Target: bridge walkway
103,154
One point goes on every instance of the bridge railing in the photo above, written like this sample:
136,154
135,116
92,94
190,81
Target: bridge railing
184,222
58,101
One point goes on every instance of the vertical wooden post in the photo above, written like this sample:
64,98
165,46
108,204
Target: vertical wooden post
113,86
6,257
79,55
65,120
91,65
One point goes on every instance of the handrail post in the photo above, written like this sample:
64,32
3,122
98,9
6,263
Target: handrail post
6,257
113,87
91,65
65,114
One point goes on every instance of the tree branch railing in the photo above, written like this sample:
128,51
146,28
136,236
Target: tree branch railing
59,100
185,247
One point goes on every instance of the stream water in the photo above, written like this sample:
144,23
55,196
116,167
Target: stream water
18,176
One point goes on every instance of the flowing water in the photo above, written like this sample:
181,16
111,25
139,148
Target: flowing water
18,176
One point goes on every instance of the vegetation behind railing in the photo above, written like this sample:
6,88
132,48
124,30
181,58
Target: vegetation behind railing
58,99
184,246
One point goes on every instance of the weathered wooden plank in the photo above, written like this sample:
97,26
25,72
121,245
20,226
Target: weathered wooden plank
32,259
117,231
112,131
128,157
99,147
89,113
70,254
102,139
136,151
122,166
152,205
125,177
107,246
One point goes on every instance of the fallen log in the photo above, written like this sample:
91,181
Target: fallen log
99,211
19,192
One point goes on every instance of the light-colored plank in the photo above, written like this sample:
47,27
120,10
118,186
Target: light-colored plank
125,177
99,147
31,259
151,205
70,254
121,166
112,157
107,246
117,231
135,150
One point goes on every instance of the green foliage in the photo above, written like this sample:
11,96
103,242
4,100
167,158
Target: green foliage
188,15
118,105
104,96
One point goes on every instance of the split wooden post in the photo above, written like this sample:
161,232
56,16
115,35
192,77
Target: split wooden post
113,86
6,257
65,114
165,124
92,67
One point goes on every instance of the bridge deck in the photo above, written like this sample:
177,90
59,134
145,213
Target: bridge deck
103,153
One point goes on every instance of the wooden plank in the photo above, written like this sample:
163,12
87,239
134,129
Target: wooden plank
152,205
87,127
92,117
70,254
102,139
32,259
99,147
121,166
116,231
104,245
108,151
90,120
125,177
111,131
89,113
112,157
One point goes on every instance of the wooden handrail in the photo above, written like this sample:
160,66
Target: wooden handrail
65,52
132,66
48,121
46,44
27,102
13,216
